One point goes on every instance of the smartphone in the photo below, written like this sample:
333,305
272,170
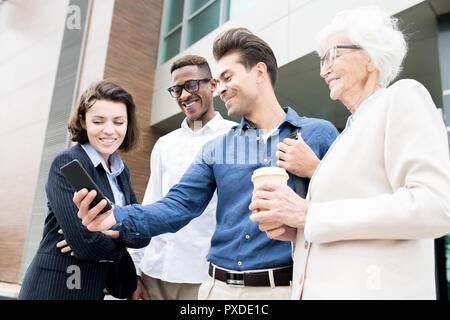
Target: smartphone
79,179
294,134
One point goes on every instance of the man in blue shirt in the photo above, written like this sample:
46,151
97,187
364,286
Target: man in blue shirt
245,263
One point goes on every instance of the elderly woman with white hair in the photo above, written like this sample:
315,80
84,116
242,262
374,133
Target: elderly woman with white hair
382,192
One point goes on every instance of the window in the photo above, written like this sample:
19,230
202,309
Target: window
187,21
172,27
203,23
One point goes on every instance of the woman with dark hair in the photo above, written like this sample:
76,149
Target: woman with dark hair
103,122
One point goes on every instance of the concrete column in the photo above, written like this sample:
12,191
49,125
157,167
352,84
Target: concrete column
64,96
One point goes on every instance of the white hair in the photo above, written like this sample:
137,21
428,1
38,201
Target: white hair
376,32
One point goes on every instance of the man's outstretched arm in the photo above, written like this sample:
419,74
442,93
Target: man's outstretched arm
184,202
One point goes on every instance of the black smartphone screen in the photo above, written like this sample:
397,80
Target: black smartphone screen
79,179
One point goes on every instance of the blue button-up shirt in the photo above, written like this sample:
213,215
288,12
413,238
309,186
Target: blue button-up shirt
227,163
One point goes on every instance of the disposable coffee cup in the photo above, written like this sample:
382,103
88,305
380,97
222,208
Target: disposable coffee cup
277,175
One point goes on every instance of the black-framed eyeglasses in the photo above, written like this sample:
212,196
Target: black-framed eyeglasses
190,86
330,55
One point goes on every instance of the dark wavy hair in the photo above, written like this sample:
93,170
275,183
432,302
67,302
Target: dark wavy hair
104,90
252,50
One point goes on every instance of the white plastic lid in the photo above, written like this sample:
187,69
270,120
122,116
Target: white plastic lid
269,171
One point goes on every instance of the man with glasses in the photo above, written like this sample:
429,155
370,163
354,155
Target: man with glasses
160,276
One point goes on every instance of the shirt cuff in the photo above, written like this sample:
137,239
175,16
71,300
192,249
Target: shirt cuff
126,232
306,230
119,214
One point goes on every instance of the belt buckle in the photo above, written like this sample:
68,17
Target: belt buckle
235,279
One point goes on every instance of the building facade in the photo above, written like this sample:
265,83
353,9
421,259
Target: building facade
52,50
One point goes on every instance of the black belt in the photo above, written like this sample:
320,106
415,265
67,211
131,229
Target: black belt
281,277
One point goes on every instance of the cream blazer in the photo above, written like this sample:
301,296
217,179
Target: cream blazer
378,199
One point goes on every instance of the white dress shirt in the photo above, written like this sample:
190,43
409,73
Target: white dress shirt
181,256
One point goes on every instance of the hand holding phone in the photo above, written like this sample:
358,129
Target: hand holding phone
79,179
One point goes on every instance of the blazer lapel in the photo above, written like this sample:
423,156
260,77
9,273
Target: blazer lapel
99,175
104,183
122,180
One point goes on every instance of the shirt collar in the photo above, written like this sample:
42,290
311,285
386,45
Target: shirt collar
116,162
213,124
363,106
291,117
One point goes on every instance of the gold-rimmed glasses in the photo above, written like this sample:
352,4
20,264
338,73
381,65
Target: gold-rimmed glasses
330,55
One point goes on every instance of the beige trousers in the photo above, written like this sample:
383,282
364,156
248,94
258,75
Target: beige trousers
213,289
162,290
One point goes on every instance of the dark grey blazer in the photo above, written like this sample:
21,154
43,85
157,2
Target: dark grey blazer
99,261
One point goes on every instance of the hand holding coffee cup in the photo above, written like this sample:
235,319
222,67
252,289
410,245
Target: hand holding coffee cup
275,175
277,208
